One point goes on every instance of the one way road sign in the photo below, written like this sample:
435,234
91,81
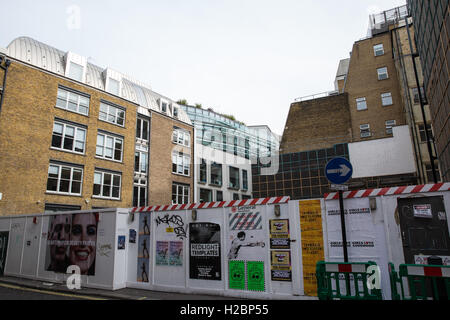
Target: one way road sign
338,170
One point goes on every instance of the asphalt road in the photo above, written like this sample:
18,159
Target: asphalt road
14,292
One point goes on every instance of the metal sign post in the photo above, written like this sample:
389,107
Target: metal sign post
339,170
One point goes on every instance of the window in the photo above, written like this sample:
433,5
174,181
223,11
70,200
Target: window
142,126
76,71
244,180
107,185
422,134
181,163
235,196
140,160
181,137
203,173
71,101
378,49
180,193
109,147
112,114
234,178
364,130
163,106
386,99
113,86
361,103
216,174
244,197
175,112
219,195
140,193
389,125
64,179
416,95
68,137
429,172
205,195
382,73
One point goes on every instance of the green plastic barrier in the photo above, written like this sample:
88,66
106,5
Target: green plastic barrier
424,282
345,281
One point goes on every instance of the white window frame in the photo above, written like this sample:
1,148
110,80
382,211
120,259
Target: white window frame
141,151
185,198
63,136
141,131
140,184
71,75
364,130
182,162
110,89
181,137
64,104
111,111
386,97
361,103
389,124
102,185
104,147
238,178
71,180
376,50
380,73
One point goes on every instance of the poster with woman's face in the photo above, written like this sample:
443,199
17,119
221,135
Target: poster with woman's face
72,240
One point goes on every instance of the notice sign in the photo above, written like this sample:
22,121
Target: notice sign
422,211
279,234
204,251
281,265
255,276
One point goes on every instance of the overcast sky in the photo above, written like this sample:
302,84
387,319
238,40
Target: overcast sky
249,58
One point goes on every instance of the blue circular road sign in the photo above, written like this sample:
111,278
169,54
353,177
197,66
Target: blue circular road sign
338,170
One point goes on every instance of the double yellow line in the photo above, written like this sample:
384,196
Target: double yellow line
50,292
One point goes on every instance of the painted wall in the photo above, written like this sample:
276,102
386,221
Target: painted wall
383,156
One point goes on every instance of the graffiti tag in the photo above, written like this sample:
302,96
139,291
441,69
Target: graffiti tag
174,221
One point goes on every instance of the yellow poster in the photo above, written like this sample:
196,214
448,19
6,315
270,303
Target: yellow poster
312,242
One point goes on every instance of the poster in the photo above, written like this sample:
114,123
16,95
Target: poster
312,242
162,253
132,237
143,246
255,276
176,253
281,269
279,234
120,242
204,255
72,240
236,274
247,240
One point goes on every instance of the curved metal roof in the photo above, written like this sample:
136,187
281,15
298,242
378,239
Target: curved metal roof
51,59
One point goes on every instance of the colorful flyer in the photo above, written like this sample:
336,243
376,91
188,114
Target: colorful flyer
255,276
236,274
279,234
176,253
281,265
162,253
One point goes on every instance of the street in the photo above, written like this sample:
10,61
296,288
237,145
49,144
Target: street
14,292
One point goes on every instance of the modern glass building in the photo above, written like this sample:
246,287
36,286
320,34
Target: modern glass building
221,133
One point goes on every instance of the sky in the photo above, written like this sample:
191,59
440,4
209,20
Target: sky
248,58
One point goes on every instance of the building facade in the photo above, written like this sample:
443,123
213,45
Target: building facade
76,136
224,152
432,35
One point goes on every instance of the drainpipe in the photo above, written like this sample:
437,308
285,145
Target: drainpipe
5,68
413,56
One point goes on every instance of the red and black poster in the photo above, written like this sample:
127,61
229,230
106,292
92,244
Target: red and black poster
204,251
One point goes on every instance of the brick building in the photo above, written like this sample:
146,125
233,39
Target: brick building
76,136
432,35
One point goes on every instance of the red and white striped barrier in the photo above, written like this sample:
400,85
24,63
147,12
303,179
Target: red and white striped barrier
336,267
445,186
215,204
428,271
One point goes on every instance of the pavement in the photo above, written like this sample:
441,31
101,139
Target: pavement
121,294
